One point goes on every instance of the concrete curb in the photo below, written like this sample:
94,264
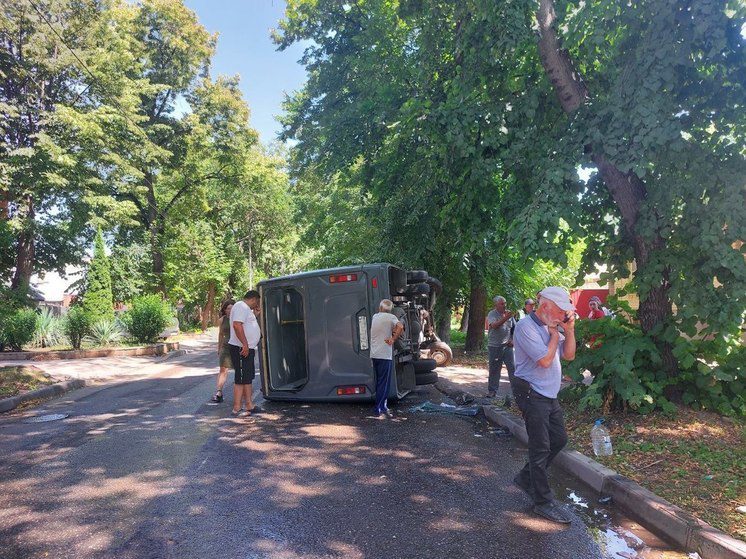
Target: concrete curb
155,349
674,523
58,389
172,354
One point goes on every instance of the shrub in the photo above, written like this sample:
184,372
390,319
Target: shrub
625,364
98,300
147,317
628,371
105,332
77,325
18,329
48,330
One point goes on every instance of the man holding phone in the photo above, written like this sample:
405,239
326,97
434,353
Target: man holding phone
538,375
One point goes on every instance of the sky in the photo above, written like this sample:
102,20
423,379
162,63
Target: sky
245,48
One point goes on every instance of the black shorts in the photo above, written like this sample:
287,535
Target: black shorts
244,366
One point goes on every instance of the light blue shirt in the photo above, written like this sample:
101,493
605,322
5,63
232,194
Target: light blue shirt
531,343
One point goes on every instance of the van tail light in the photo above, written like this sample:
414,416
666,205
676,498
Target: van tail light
340,278
350,390
374,282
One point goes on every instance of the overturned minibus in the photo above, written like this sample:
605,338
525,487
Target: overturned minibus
315,325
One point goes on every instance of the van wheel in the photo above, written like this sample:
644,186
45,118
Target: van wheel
416,276
441,353
426,378
424,365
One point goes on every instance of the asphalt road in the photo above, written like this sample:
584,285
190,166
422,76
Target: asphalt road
147,469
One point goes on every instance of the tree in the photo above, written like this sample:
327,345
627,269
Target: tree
50,59
98,300
652,92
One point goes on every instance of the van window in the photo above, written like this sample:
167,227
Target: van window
288,369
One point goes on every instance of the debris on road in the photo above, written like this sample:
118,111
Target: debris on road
429,407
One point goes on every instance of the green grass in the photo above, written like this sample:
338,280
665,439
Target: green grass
14,380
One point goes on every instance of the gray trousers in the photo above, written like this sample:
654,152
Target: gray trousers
497,356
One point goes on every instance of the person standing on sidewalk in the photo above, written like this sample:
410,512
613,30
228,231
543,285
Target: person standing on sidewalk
385,329
500,323
224,352
244,338
538,374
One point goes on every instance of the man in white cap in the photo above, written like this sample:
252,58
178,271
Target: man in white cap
538,374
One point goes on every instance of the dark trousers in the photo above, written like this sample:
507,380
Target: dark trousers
383,382
497,356
545,425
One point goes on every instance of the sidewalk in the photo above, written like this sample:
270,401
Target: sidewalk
472,380
115,369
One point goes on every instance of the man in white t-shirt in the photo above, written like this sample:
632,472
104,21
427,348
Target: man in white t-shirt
385,329
242,344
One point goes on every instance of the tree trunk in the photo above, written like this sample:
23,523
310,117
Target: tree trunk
208,312
25,250
477,306
627,190
443,323
464,326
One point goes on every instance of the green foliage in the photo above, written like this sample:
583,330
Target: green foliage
131,270
147,317
97,298
105,332
627,371
77,325
18,329
49,329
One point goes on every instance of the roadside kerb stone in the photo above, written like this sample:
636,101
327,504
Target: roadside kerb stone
172,354
667,519
155,349
46,392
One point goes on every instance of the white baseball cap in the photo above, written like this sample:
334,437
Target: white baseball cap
558,296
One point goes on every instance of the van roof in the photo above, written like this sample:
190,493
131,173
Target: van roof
326,271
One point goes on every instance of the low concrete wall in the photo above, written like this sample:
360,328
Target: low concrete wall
155,349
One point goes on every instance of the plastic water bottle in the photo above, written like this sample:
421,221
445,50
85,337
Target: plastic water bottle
601,439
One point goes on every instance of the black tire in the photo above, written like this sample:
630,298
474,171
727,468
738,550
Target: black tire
424,365
426,378
416,276
418,289
441,353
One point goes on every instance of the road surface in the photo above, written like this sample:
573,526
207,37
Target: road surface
147,468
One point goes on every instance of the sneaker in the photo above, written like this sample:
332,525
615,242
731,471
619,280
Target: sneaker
217,397
491,394
554,512
388,413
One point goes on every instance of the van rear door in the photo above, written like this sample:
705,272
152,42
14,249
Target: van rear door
341,304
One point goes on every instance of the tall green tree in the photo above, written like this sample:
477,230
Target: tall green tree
51,56
653,96
98,300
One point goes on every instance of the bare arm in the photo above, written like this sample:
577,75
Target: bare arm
241,335
398,329
568,348
502,321
221,336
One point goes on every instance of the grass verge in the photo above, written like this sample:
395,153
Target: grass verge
14,380
694,459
